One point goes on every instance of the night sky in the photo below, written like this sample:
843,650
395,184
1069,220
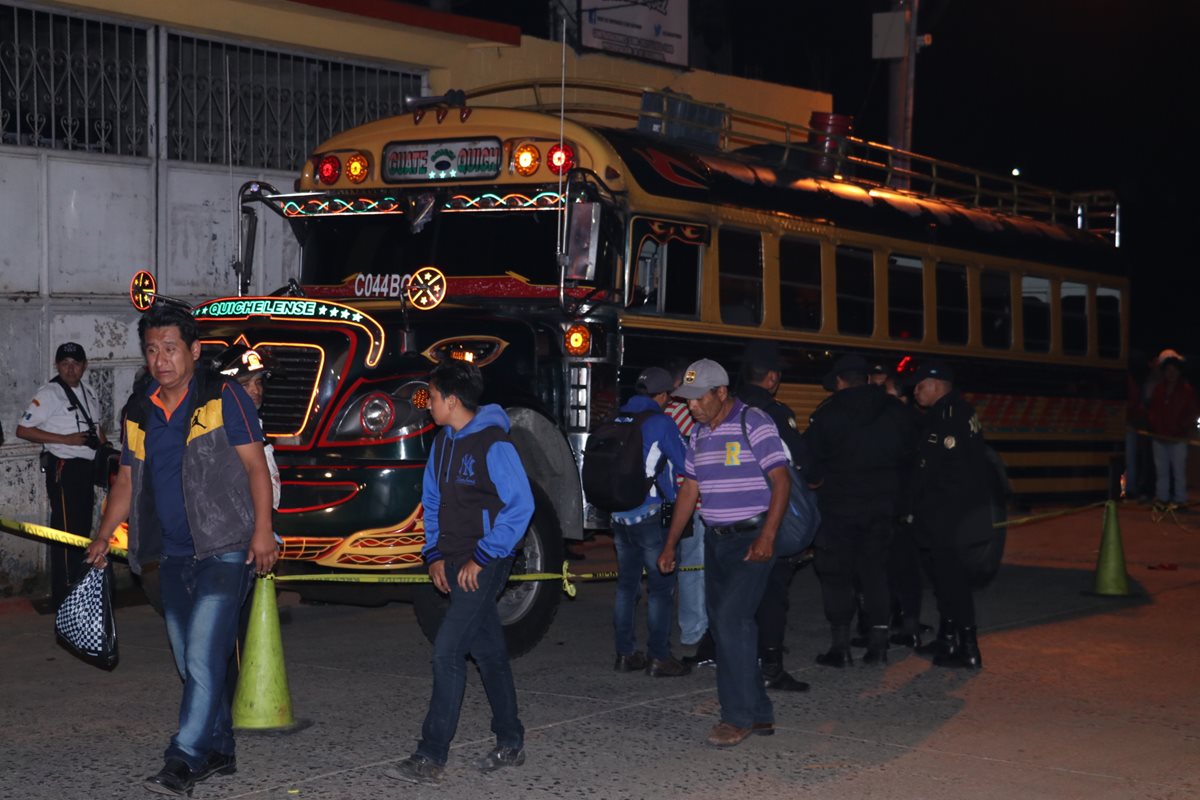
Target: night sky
1080,94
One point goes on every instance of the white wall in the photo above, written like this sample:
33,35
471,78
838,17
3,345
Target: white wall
73,230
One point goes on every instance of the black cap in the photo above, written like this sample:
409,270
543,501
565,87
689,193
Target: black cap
851,362
655,380
762,355
934,369
878,369
238,361
70,350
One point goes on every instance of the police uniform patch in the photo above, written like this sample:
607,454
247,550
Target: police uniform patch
949,442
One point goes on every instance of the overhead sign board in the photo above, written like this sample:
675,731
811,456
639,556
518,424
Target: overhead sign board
655,30
455,160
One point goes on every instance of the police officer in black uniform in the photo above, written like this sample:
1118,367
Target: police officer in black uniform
951,509
857,443
760,379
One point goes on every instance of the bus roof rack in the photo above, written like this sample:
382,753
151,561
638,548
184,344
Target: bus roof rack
682,118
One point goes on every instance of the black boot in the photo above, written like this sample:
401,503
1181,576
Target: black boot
705,655
877,645
944,643
968,649
839,650
775,676
908,632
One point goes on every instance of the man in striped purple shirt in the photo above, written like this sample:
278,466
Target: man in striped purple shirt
737,463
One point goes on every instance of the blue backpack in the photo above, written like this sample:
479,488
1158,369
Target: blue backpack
800,521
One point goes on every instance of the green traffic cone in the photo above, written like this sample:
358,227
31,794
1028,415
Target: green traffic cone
262,701
1111,579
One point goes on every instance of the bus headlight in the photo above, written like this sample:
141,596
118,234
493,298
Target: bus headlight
381,415
377,413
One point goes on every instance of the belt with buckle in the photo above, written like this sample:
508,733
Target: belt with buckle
739,527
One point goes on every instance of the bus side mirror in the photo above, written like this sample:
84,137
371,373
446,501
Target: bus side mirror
583,241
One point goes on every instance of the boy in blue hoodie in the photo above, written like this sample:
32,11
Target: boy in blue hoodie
477,507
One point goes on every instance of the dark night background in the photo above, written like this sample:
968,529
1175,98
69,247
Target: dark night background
1080,94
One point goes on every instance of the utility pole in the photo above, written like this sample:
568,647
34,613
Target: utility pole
894,37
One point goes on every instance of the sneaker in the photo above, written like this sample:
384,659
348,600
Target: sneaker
175,778
633,663
417,769
500,757
669,667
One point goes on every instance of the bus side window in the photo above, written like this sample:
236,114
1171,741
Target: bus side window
1035,312
666,268
951,284
995,304
906,306
800,284
1108,322
855,291
682,292
741,277
1073,307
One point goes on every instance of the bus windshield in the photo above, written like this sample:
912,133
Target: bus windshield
460,244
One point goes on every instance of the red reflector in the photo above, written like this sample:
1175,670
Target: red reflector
560,159
329,168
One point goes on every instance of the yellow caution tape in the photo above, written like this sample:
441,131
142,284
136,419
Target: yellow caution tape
567,577
1048,515
52,535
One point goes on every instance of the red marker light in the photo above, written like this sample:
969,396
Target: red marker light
328,169
560,159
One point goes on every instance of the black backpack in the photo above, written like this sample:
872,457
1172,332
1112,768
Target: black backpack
614,468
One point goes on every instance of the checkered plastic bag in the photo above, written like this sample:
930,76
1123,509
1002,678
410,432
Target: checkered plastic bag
85,624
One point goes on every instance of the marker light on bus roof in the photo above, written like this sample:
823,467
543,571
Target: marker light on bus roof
357,168
328,169
526,159
560,159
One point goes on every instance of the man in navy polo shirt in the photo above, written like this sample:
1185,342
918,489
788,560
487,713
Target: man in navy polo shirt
196,490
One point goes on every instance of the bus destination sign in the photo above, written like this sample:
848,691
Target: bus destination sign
441,161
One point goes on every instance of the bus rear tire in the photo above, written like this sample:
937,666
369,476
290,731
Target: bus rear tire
527,608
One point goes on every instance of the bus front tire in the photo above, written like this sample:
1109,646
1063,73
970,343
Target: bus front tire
527,608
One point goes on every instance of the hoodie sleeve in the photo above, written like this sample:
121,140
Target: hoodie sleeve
667,434
431,499
508,474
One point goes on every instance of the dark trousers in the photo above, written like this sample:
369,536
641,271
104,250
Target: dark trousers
904,576
472,627
733,590
952,585
772,611
850,548
69,489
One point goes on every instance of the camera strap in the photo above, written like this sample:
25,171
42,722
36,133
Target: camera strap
71,398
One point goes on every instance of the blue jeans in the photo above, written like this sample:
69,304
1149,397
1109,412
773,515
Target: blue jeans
639,545
1170,471
201,602
693,616
472,626
734,589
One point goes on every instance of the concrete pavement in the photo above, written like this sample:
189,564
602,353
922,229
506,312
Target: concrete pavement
1080,697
